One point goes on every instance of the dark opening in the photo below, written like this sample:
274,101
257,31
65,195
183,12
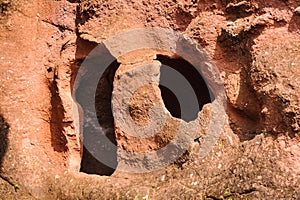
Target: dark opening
4,129
90,164
183,89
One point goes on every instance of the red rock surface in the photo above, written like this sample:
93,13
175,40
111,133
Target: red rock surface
255,45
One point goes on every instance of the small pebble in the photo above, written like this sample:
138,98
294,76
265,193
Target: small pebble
195,183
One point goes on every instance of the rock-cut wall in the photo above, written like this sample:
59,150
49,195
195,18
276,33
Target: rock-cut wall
50,141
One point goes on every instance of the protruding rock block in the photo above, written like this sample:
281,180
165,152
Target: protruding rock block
148,136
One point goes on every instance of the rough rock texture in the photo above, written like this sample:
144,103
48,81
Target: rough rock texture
255,45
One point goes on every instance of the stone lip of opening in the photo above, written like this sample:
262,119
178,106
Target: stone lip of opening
190,89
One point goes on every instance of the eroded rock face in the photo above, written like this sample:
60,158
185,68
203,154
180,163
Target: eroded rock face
255,45
275,77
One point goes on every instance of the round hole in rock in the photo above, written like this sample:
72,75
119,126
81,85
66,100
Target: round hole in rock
183,89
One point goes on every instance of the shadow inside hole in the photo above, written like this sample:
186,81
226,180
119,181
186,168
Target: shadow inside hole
4,129
90,164
58,139
183,89
171,102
